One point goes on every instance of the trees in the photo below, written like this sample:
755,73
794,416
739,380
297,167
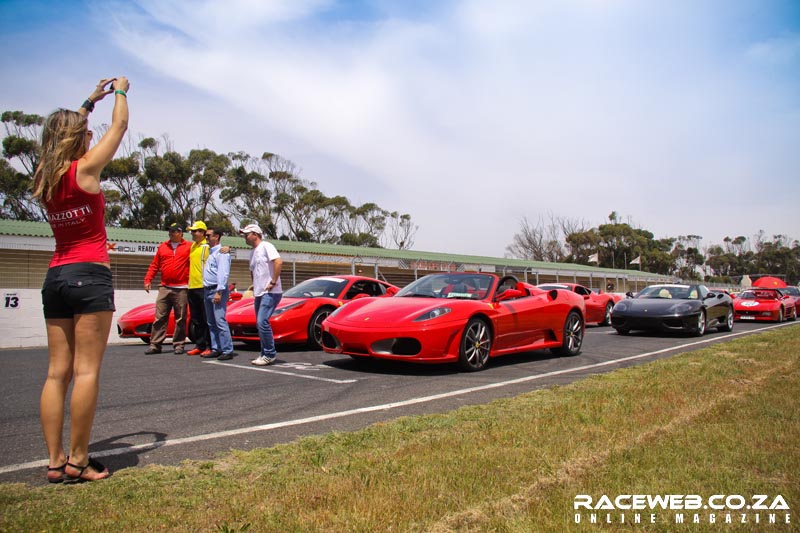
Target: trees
548,240
617,243
20,144
150,185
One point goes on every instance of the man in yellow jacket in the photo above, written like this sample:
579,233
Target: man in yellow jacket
198,255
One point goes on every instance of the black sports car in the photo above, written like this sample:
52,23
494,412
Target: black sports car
687,308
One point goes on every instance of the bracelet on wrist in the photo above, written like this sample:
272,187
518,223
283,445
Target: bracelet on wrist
88,105
120,91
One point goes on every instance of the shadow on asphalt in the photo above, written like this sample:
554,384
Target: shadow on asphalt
131,458
392,367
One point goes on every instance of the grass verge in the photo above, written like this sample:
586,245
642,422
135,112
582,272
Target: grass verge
722,420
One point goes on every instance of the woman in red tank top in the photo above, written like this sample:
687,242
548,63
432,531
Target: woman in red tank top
78,293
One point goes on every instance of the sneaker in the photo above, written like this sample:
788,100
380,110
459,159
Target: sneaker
151,350
212,354
226,356
261,361
194,351
206,352
178,350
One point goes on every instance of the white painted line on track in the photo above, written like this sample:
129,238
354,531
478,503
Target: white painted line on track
373,408
281,372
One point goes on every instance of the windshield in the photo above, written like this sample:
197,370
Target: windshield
681,292
759,295
317,288
794,291
459,286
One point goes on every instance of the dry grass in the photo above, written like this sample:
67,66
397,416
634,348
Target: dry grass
723,420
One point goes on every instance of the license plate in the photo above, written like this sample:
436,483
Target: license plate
747,317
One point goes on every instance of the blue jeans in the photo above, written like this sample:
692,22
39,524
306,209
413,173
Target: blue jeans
217,324
265,305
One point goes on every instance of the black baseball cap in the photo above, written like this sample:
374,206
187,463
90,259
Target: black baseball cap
176,227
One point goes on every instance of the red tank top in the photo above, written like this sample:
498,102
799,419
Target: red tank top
77,219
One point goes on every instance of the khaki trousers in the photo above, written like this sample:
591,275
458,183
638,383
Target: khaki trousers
169,299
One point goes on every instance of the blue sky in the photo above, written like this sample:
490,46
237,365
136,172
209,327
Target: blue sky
682,116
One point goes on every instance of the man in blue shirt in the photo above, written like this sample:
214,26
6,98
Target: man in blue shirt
215,297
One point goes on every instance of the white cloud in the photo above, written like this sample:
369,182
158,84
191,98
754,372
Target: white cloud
780,51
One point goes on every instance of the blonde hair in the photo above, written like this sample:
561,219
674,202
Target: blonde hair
63,141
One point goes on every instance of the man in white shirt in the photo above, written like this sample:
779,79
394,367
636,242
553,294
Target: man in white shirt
265,269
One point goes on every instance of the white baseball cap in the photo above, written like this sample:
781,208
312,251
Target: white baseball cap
251,228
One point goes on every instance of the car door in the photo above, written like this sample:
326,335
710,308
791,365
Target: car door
519,321
595,309
715,308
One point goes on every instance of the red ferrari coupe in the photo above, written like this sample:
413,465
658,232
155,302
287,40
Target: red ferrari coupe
458,317
304,307
138,322
598,305
764,305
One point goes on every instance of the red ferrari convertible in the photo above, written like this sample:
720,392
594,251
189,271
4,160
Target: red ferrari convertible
458,317
764,304
304,307
598,305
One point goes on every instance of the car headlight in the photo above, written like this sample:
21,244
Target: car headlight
621,306
684,308
282,310
433,313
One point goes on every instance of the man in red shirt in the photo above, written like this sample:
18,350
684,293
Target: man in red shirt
172,260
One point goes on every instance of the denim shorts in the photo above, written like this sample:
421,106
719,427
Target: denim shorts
77,289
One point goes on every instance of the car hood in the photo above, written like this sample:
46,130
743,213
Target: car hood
141,311
383,311
245,307
749,303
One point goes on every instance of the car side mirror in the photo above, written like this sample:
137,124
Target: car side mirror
629,294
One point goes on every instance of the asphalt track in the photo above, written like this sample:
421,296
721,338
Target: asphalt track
162,409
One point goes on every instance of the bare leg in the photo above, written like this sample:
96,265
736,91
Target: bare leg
61,345
91,337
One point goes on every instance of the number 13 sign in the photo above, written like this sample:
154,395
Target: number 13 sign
11,300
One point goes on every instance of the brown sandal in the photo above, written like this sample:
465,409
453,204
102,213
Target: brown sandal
95,465
58,478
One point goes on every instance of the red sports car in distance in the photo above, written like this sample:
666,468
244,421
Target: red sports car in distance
598,305
458,317
764,305
300,313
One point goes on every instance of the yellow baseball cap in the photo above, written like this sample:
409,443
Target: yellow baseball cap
198,225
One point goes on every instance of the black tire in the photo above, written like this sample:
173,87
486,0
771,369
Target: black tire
572,338
476,345
780,315
793,317
145,340
315,327
607,317
700,327
728,325
623,331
